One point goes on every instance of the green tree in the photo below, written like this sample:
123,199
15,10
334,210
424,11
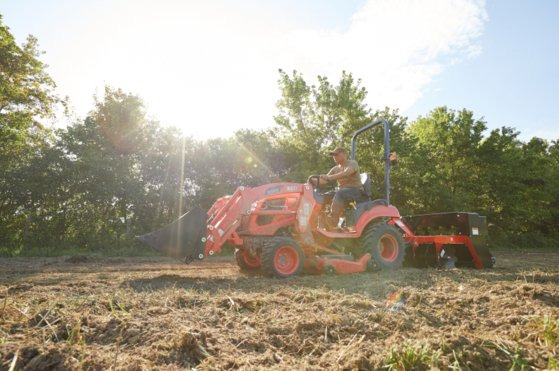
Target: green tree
26,97
103,153
445,161
550,226
519,186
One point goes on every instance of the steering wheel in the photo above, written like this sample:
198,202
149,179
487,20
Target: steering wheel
318,187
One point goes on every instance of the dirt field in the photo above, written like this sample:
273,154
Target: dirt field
154,313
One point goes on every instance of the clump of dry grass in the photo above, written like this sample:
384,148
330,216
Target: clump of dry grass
189,349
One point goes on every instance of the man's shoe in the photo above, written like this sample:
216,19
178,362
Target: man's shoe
330,223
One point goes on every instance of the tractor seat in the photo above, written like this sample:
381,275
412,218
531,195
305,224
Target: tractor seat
366,202
366,194
369,203
366,181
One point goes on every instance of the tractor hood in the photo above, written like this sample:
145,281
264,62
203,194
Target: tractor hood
183,239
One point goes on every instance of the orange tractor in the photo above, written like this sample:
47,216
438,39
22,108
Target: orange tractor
277,228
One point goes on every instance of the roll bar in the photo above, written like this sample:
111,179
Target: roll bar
386,157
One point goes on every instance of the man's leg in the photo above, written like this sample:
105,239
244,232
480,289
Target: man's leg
338,204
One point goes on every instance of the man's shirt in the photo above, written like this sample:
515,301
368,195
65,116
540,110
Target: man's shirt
352,180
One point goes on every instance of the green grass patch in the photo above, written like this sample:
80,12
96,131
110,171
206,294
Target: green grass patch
514,354
412,357
550,330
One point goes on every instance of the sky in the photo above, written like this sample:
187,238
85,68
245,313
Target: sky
211,67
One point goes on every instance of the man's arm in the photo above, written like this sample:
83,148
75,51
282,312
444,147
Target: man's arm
347,172
326,178
322,180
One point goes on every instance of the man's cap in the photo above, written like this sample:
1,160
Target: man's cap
337,151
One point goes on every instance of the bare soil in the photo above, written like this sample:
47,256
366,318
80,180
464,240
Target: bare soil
156,313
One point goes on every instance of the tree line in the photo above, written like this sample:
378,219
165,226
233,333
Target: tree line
97,182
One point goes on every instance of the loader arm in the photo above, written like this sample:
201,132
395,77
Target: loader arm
226,214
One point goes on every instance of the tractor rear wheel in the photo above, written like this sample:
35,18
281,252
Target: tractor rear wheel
246,261
282,257
386,245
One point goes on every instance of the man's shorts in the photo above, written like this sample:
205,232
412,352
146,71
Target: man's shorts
344,195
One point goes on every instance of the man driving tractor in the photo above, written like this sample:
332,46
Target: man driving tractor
346,173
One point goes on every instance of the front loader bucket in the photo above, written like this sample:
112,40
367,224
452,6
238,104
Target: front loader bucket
183,239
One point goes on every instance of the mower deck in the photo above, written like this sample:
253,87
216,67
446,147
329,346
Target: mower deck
332,264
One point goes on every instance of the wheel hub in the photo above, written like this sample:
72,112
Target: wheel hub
388,247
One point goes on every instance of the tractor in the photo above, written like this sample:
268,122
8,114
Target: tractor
278,229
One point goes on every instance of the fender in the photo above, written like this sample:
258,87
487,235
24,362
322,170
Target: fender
376,212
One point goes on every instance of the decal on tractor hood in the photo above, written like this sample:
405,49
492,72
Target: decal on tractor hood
272,190
304,215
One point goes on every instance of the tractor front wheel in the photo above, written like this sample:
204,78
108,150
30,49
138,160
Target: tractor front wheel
386,245
282,257
246,261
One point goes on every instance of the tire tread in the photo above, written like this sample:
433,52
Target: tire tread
371,236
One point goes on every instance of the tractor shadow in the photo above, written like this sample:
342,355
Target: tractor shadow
513,268
374,285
